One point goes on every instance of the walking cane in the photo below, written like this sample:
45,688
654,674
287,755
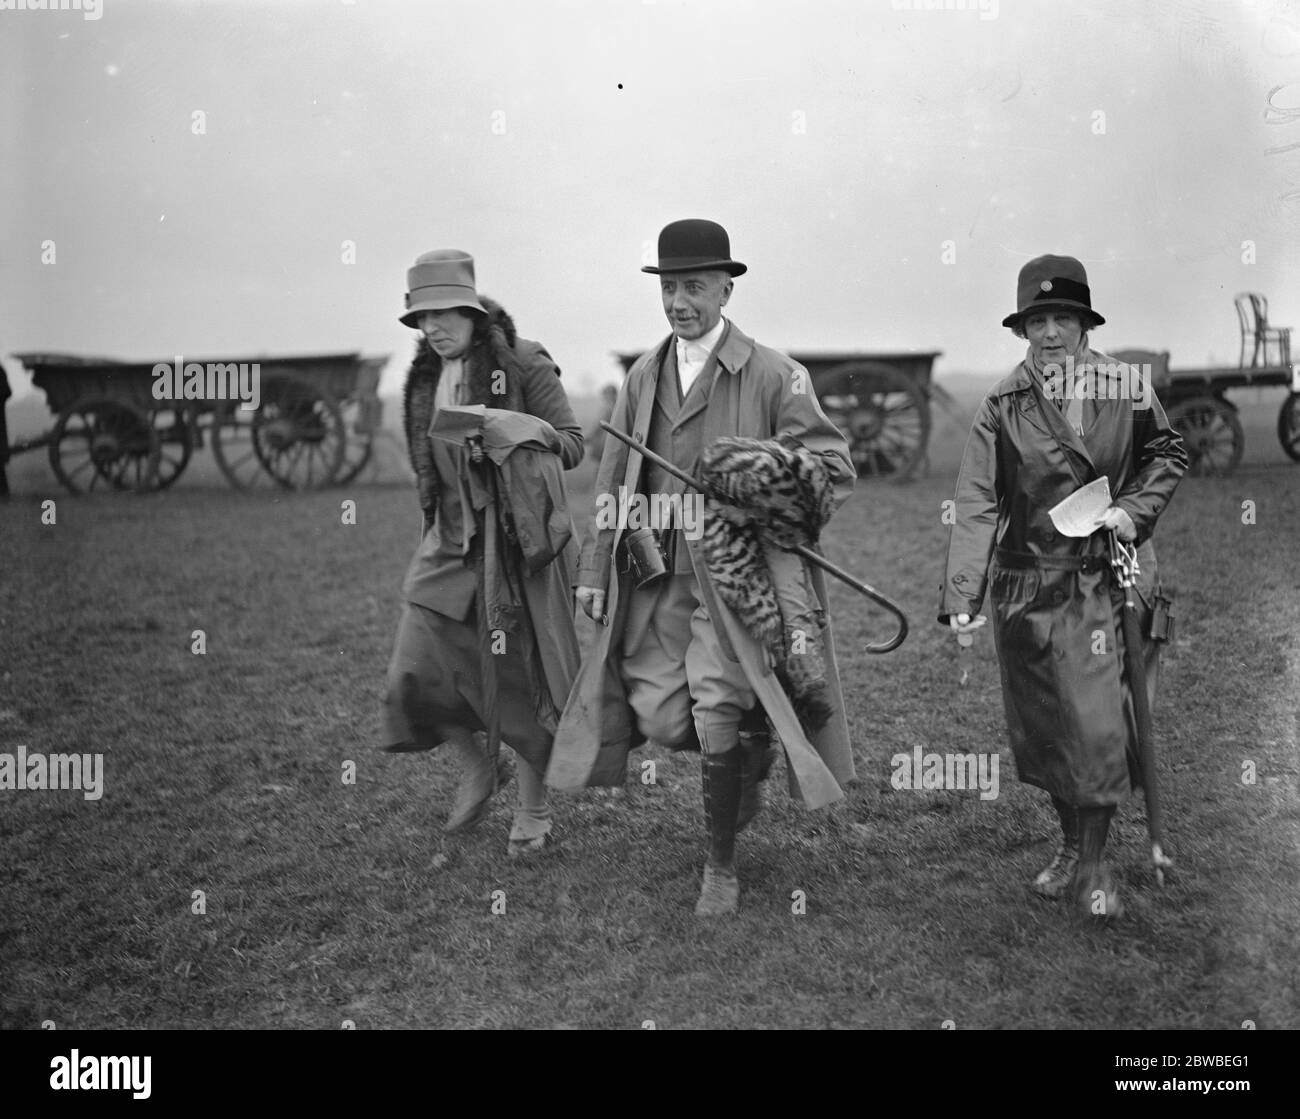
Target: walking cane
802,549
1124,560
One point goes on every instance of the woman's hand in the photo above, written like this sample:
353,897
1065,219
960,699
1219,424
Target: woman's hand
963,626
592,602
1116,520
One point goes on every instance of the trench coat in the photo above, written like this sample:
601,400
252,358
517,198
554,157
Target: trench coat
754,392
529,446
1056,607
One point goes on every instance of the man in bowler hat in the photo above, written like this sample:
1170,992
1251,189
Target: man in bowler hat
674,663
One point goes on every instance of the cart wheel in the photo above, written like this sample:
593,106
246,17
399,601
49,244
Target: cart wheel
1288,426
293,441
884,415
1211,433
176,443
102,443
360,420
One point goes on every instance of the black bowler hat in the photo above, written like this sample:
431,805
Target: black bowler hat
1053,282
695,245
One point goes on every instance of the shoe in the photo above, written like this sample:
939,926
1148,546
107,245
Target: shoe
720,893
1055,878
473,795
520,848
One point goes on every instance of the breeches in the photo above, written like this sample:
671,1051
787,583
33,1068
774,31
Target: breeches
675,671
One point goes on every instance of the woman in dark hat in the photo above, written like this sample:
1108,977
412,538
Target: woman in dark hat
486,641
1065,417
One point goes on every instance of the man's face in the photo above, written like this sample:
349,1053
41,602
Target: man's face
1053,335
448,331
693,301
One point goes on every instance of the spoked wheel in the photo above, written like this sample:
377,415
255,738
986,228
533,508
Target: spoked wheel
176,443
361,418
884,415
1211,433
100,443
1288,426
293,441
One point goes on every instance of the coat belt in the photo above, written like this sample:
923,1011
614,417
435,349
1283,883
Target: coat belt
1007,558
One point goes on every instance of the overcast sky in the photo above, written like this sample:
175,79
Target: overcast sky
841,144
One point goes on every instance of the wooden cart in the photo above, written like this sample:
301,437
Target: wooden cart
314,425
880,401
1196,399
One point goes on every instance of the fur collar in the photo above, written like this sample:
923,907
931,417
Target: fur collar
491,352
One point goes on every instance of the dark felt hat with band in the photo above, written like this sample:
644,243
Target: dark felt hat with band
439,281
695,245
1054,283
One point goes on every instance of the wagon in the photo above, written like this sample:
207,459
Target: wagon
313,427
880,401
1196,399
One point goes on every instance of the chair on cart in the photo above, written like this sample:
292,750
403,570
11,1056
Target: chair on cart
1257,336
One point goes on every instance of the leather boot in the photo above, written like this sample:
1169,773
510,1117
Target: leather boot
1094,890
756,757
722,778
1054,879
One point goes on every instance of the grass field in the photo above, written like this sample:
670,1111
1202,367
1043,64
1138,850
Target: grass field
327,901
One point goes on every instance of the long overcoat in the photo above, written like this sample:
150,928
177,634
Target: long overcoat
1058,628
755,392
502,371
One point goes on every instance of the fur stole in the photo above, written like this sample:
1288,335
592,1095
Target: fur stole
770,494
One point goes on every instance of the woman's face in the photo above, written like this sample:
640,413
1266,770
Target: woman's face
1053,335
448,331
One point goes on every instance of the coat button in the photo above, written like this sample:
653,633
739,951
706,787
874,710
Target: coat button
1058,597
639,436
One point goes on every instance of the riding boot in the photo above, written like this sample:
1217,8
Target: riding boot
1054,879
722,780
1094,890
756,757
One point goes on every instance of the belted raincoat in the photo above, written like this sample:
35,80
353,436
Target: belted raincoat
1055,605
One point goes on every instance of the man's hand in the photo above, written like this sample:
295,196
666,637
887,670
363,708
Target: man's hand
592,602
1119,521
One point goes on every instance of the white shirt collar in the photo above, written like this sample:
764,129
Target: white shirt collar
697,350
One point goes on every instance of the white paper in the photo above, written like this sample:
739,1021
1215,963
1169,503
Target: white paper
1079,513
